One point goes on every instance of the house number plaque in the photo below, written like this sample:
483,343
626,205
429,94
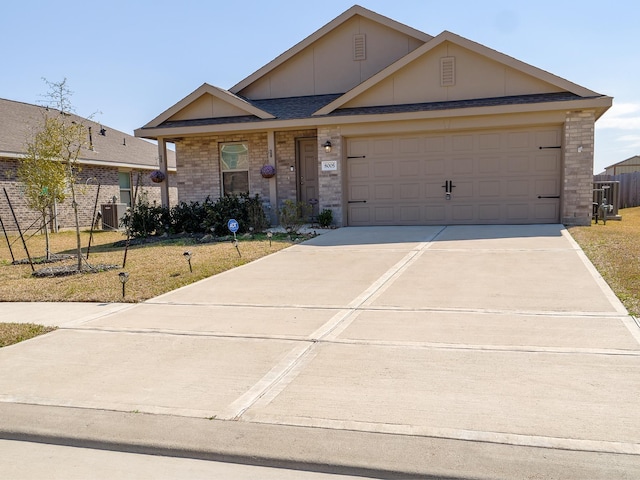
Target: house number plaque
329,165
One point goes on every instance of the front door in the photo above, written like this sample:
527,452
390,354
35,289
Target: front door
308,172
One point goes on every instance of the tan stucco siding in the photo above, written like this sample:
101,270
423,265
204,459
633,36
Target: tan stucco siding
327,65
475,77
207,106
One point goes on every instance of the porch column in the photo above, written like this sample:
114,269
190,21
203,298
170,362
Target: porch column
331,170
578,167
163,167
273,192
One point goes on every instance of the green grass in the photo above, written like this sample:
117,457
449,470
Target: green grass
614,249
153,268
11,333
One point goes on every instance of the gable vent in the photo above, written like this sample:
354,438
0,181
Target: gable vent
447,71
359,47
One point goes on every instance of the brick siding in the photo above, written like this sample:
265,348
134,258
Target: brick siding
578,168
86,189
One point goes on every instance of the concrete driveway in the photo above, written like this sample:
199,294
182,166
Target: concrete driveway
451,352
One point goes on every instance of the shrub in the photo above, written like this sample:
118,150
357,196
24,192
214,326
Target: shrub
293,215
247,210
325,218
195,217
144,219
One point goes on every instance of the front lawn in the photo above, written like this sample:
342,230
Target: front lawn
614,249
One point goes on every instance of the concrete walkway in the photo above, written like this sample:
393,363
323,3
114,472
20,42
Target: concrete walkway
457,352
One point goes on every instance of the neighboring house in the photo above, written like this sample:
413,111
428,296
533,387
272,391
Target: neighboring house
113,159
387,125
629,165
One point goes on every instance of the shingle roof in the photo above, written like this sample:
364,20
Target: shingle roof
18,122
455,104
304,107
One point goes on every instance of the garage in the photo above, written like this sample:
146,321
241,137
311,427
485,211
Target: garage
506,176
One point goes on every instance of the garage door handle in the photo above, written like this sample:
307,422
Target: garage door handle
549,196
357,201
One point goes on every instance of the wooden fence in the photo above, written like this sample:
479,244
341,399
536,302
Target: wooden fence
629,195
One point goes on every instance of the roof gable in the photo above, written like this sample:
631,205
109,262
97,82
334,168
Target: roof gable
206,102
480,72
325,62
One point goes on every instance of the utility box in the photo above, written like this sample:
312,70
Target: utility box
112,213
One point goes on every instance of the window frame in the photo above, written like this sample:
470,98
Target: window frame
225,173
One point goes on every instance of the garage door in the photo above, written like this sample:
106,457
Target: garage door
488,177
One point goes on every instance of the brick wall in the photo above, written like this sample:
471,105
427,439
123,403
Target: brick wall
578,168
198,166
331,182
86,190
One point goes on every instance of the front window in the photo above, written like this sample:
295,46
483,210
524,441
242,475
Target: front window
234,164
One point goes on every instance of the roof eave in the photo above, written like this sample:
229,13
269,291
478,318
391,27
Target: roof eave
598,104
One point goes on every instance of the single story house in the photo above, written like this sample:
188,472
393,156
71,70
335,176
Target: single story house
386,125
114,160
630,165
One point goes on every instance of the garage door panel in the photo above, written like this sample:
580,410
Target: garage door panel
489,141
409,145
410,214
546,212
383,192
359,215
409,168
518,164
434,190
490,212
435,214
517,212
462,166
462,143
384,215
359,192
435,144
547,186
435,167
497,176
462,213
547,163
383,170
410,191
461,190
383,146
518,188
358,170
489,188
490,165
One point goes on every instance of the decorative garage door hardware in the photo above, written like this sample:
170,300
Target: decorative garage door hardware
548,196
357,201
358,156
542,148
448,188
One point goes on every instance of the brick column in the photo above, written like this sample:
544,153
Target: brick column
578,168
330,183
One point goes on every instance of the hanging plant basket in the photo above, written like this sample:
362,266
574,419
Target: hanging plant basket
268,171
157,176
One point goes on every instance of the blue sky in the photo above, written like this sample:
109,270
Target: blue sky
131,60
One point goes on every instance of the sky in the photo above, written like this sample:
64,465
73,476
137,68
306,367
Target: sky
128,61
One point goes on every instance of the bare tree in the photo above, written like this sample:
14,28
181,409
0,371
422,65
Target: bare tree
66,136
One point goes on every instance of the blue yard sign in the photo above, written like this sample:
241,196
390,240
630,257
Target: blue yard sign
233,225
